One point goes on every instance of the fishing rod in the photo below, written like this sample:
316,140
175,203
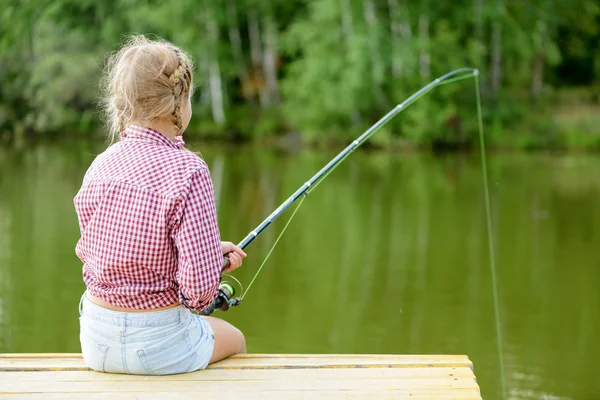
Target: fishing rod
225,298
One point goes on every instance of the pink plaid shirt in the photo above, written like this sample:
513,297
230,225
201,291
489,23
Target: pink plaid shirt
149,234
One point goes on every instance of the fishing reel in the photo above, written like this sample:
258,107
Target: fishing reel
225,298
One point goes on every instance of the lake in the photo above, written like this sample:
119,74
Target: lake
388,255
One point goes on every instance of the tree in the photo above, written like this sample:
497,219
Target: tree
325,68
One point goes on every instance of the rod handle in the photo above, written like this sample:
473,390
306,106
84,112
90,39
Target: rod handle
225,262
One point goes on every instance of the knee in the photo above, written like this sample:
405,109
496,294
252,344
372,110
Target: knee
242,343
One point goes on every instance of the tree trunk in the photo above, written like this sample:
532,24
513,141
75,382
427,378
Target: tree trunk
377,70
480,53
214,74
347,28
372,23
257,59
347,33
424,57
537,73
270,58
204,71
401,33
479,22
395,37
216,93
254,34
537,80
405,29
236,47
496,67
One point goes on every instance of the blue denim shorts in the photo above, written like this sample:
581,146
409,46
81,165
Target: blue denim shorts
163,342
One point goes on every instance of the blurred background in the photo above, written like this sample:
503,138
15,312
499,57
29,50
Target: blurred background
322,69
390,254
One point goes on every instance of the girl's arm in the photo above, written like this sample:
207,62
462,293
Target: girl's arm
198,244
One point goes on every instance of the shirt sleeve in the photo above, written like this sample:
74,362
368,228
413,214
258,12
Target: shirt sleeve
198,243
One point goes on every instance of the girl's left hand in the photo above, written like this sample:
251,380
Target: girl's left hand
235,255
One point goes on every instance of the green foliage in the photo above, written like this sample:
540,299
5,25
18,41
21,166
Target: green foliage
326,69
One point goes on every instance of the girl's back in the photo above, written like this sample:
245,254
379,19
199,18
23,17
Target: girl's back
150,243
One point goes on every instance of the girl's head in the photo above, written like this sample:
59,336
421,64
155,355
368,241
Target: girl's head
148,82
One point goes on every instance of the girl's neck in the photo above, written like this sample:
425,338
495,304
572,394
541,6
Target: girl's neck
165,127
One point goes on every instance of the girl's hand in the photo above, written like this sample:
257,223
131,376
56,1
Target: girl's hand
235,255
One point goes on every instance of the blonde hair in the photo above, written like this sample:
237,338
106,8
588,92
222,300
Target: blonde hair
145,80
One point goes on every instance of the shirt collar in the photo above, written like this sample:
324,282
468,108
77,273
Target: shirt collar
139,132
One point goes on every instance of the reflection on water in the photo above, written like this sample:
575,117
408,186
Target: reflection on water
4,278
388,256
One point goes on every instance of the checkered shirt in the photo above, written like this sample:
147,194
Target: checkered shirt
149,234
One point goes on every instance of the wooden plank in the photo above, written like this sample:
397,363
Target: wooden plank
253,376
247,374
41,355
256,385
270,358
34,364
74,363
342,362
271,395
459,357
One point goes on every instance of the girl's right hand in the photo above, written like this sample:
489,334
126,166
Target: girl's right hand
235,255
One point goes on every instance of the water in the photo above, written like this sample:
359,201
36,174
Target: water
389,255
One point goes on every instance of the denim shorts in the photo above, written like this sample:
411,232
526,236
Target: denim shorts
163,342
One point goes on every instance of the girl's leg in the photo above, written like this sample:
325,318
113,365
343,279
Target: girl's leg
229,340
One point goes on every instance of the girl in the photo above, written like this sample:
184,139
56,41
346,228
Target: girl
150,243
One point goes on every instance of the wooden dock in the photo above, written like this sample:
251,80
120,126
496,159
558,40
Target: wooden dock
252,376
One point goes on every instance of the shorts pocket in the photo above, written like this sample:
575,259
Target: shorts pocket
94,353
172,355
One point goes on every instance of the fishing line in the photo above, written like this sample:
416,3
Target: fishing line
491,249
274,244
226,294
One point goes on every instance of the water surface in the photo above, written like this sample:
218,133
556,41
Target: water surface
389,255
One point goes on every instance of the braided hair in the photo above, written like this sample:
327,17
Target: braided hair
180,81
145,80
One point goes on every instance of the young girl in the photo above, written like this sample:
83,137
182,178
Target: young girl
150,243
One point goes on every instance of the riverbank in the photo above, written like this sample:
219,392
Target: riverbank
563,126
